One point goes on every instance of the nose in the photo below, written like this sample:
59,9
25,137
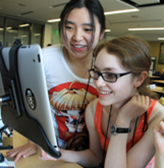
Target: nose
99,82
78,35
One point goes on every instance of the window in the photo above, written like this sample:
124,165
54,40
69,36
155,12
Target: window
17,30
37,31
27,32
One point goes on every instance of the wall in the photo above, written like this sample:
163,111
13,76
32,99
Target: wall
51,34
47,35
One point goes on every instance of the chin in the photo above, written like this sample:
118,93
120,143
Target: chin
105,102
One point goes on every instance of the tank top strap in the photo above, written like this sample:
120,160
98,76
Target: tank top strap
98,114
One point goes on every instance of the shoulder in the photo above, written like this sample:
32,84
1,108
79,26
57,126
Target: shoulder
92,105
52,53
48,50
91,108
157,114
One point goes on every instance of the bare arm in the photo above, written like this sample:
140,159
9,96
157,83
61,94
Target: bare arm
23,151
89,157
158,132
142,152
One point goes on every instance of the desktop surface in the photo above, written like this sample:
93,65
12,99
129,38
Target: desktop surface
34,161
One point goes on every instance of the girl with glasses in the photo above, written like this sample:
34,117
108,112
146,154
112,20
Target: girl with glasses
120,121
132,109
66,68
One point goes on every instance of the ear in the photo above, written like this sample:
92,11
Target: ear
101,35
140,79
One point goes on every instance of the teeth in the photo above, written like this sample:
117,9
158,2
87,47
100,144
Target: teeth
78,46
105,93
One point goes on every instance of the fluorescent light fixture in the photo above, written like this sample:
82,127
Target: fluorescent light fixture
54,20
121,11
37,34
9,28
24,25
160,38
107,30
146,29
23,36
12,31
1,29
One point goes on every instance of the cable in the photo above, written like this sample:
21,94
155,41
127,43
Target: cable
82,111
103,158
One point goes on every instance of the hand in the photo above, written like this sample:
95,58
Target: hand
136,106
44,156
158,132
23,151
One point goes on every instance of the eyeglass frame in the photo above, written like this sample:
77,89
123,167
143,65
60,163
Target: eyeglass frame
101,74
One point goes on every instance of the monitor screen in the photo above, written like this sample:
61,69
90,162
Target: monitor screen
25,105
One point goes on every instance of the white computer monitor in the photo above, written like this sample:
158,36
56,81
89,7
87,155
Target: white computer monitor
25,105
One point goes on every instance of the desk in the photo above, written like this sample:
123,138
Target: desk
34,161
158,89
154,77
158,81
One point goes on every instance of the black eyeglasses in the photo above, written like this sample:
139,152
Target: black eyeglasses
107,76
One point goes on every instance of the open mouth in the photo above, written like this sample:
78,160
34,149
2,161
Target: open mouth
78,47
104,92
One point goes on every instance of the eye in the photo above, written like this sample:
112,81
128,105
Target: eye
110,75
68,27
88,29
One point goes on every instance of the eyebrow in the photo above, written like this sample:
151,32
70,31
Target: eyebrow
106,69
84,24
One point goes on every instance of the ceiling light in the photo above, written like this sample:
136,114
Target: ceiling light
1,29
146,29
54,20
12,31
9,28
160,38
24,25
23,36
107,30
37,34
121,11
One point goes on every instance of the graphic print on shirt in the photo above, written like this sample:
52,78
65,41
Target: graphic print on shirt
66,100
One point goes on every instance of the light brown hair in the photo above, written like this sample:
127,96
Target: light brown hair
134,55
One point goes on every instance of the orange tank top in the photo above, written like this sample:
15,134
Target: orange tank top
138,133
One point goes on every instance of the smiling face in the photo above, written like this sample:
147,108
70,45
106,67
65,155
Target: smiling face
79,37
121,90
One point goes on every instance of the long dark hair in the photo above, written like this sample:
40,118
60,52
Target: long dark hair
93,6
